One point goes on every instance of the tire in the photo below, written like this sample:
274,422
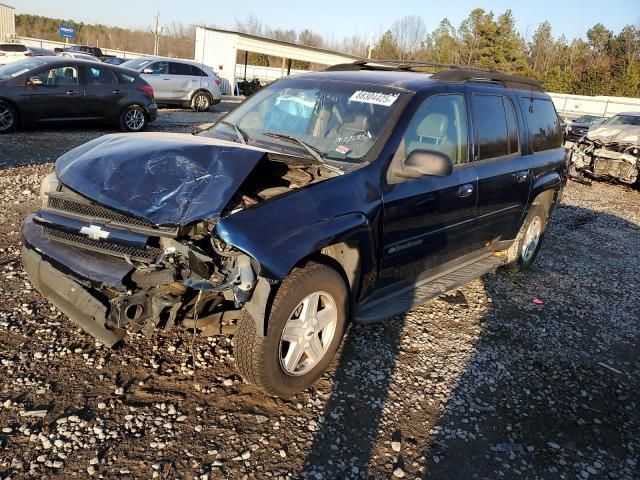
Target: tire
133,119
201,102
269,361
523,251
8,118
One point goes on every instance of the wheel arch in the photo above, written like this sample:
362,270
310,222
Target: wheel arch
13,105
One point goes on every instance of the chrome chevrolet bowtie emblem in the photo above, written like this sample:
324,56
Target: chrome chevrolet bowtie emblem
94,232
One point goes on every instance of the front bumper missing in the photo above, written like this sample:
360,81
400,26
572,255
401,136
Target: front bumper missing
70,298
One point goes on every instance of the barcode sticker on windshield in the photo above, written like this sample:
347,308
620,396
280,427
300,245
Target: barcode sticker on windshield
376,98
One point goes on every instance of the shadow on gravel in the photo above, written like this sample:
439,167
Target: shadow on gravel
548,390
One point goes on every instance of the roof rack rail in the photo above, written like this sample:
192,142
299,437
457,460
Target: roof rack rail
447,72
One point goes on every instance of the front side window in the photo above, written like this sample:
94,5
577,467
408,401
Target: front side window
339,120
160,68
543,124
101,76
55,77
440,124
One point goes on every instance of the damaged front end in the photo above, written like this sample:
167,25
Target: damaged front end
112,270
607,155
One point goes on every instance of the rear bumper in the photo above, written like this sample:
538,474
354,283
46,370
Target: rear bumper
70,297
152,112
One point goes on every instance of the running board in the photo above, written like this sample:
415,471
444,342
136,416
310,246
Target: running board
403,300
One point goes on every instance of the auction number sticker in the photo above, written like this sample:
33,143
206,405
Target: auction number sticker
376,98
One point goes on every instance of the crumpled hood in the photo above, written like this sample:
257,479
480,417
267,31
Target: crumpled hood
167,179
628,134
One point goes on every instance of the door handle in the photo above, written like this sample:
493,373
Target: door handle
521,176
465,190
116,91
72,92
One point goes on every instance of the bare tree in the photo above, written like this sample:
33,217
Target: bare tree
410,33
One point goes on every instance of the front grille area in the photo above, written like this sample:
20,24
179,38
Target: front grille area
148,254
95,212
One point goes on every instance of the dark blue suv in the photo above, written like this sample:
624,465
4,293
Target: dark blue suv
344,195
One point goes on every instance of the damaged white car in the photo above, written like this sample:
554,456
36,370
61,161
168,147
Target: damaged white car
610,151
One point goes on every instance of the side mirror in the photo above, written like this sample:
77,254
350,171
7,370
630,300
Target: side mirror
426,162
34,82
148,71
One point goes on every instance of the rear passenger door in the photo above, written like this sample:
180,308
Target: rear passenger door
102,92
182,80
504,171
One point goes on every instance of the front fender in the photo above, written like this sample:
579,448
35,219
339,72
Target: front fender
278,251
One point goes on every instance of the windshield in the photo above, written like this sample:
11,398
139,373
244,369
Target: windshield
12,70
337,120
136,63
624,120
586,119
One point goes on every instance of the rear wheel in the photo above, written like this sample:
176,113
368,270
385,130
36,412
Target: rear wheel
8,118
305,329
201,102
133,119
527,243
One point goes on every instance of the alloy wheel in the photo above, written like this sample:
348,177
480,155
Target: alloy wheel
202,102
531,238
6,118
134,119
308,333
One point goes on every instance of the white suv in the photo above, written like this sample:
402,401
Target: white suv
12,52
179,82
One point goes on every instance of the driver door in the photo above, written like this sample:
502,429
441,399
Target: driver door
427,221
61,95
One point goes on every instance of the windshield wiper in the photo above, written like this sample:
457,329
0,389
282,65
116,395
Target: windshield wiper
242,136
313,151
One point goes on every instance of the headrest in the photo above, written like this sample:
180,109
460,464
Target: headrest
433,125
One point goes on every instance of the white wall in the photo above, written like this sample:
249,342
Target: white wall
7,23
573,106
51,44
218,50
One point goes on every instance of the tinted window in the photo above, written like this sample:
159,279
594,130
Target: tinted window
196,72
543,124
100,76
13,47
512,125
440,124
159,67
59,76
179,69
491,126
127,78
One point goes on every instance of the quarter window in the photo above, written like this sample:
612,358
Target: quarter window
196,72
542,122
440,124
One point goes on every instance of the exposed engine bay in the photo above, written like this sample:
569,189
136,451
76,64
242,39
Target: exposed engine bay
177,275
616,161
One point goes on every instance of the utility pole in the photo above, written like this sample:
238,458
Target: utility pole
156,41
370,45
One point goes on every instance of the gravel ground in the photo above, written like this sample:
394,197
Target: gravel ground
42,145
531,376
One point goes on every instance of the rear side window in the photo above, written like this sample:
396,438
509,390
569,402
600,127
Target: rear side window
542,122
124,78
13,47
100,76
492,134
179,69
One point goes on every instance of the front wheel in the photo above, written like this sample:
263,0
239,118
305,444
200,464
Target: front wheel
527,244
8,118
133,119
304,330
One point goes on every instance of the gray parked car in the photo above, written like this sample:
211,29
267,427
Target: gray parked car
179,82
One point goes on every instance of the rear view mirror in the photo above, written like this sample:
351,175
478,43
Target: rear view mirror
34,82
426,162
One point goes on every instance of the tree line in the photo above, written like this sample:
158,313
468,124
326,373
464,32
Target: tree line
604,63
176,40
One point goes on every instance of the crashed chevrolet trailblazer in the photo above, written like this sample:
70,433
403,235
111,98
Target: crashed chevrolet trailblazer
349,194
610,151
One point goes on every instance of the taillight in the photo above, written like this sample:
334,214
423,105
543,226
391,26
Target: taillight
218,82
146,89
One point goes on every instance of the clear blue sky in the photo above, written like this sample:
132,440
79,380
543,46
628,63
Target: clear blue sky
339,18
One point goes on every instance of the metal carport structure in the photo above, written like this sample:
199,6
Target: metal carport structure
218,49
